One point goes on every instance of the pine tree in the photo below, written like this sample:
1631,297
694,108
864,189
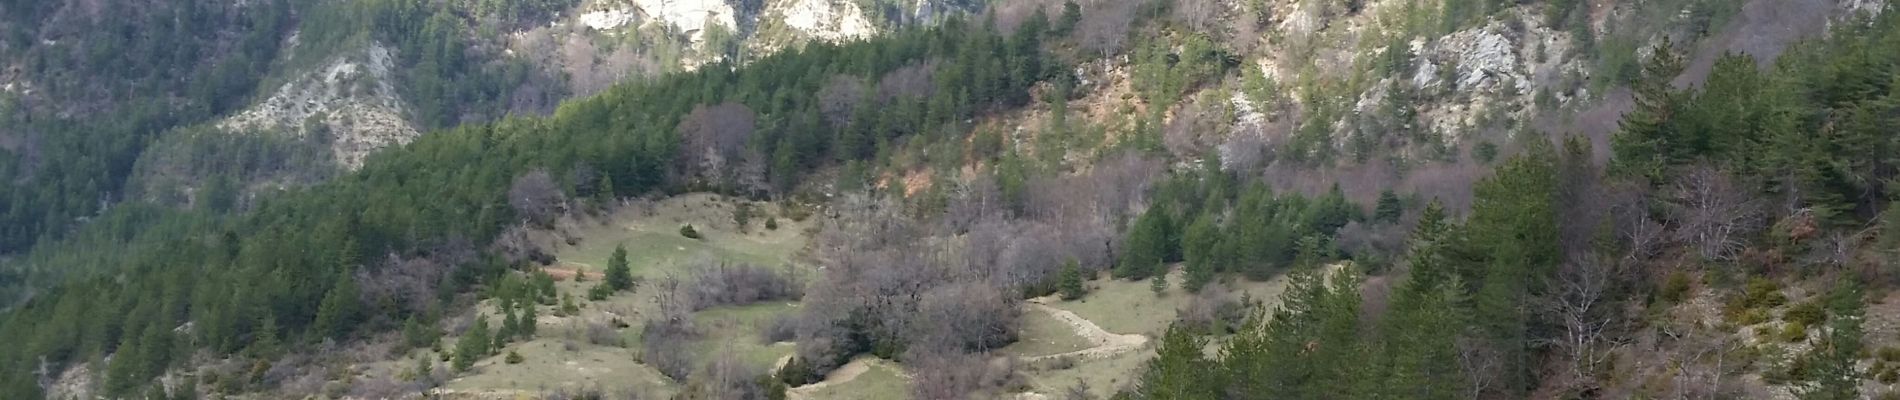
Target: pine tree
1069,281
473,345
619,276
424,368
510,327
337,315
1312,251
1418,357
1389,209
1832,362
1147,246
1178,371
264,342
1201,245
1644,145
529,320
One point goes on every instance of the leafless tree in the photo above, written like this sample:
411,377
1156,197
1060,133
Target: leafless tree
1372,241
713,140
910,82
1481,363
1582,311
1712,213
1105,25
722,284
951,375
1244,152
1199,15
536,198
838,99
965,316
1182,135
727,377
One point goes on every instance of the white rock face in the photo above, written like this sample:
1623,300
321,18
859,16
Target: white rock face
829,20
1484,59
689,16
357,102
607,19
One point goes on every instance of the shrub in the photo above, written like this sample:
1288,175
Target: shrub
771,224
1675,288
513,357
603,334
599,292
1806,313
1794,332
1889,354
781,329
688,231
1762,292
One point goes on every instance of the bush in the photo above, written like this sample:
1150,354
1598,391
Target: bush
1889,354
1794,332
781,329
688,231
1675,288
771,224
513,357
599,292
1761,293
1807,313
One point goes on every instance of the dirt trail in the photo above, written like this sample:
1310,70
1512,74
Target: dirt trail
842,375
1106,343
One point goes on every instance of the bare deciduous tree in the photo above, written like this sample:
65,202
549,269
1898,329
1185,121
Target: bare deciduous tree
1585,319
713,140
1712,213
1105,24
536,198
839,99
910,82
1199,15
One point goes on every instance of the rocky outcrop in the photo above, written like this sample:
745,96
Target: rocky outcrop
828,20
350,103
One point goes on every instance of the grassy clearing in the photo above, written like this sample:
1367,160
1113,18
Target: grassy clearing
879,382
1104,376
1042,334
561,356
1127,307
1124,306
738,330
655,248
547,364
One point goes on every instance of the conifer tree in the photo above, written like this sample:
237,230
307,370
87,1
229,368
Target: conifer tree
1179,370
1643,146
1833,362
1069,281
473,345
1147,246
337,315
619,276
529,320
1389,208
1201,245
264,342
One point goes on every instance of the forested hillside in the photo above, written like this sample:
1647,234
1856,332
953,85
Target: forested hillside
1195,199
263,277
220,103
